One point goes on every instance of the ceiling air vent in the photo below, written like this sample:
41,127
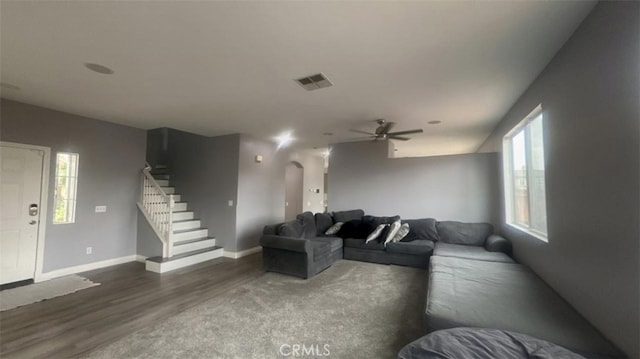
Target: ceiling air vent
314,82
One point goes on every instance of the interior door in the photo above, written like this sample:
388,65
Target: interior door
20,182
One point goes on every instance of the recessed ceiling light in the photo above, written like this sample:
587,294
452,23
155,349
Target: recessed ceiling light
7,86
284,139
98,68
328,133
434,122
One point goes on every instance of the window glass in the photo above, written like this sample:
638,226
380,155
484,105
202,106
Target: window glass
65,188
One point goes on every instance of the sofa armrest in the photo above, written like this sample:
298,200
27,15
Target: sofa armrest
496,243
286,243
271,229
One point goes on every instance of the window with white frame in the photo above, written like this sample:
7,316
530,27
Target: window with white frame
524,176
66,188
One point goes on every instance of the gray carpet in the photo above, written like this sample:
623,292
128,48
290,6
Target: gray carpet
360,310
37,292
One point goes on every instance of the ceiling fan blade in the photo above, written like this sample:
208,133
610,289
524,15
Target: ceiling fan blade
398,138
359,131
405,132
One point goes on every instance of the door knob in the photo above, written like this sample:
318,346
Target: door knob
33,222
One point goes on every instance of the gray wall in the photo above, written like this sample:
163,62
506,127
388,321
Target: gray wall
205,174
111,158
461,187
589,93
260,190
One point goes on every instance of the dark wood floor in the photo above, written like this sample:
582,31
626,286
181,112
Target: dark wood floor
128,299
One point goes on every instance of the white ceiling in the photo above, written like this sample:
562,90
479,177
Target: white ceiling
216,68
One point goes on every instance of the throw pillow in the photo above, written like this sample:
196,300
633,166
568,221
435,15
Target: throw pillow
402,232
334,229
376,233
353,229
323,222
291,229
394,228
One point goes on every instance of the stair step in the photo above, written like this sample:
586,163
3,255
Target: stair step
180,206
161,176
193,245
176,198
162,182
162,265
168,190
180,236
189,224
182,216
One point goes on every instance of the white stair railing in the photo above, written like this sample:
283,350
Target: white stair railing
157,207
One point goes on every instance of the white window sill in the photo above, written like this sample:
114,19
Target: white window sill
529,232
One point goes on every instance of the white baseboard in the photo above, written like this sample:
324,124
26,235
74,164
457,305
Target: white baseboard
85,267
246,252
140,258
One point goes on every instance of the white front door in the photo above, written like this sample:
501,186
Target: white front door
20,181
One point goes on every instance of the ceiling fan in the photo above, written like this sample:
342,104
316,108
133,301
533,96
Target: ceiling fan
382,132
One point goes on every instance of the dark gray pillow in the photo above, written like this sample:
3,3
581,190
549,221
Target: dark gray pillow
308,224
424,228
291,229
323,222
374,221
346,216
472,234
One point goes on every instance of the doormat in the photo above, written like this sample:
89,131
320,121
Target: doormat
33,293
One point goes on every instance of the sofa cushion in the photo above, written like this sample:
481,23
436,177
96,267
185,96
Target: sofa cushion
346,216
472,234
308,224
291,229
335,242
353,229
424,228
417,247
323,222
470,252
360,243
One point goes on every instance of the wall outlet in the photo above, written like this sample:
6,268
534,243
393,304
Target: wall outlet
89,250
101,209
230,203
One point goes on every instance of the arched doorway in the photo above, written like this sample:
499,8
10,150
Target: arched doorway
293,190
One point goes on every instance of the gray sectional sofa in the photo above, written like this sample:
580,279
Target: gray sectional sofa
473,280
301,248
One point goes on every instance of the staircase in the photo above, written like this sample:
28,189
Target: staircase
184,240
